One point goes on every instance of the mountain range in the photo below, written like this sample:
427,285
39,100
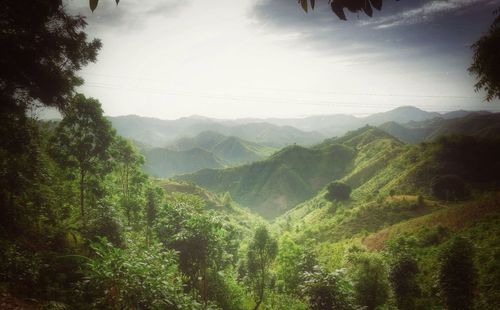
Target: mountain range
273,132
482,124
295,174
187,145
208,149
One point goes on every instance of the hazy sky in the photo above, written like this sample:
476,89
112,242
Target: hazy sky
267,58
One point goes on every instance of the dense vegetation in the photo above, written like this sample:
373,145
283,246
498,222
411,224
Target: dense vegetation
362,221
97,232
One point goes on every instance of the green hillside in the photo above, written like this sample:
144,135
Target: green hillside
394,201
161,162
406,134
205,140
160,133
223,204
478,124
232,150
295,173
272,186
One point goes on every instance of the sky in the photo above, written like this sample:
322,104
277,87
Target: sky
268,58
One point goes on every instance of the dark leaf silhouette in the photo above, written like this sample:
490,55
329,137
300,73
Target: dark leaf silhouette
93,4
338,10
377,4
303,3
368,9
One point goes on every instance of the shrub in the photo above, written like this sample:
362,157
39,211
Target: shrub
457,275
449,187
402,275
338,191
371,285
134,278
328,290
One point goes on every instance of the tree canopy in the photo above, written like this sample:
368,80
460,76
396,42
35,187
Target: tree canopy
486,61
42,48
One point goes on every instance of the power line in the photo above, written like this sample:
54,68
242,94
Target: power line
238,98
313,91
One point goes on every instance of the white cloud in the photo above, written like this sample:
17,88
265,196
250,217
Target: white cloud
424,13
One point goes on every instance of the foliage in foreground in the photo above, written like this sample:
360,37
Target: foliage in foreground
136,277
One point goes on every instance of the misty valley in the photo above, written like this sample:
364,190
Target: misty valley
380,193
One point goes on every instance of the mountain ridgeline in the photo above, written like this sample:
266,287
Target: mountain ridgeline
208,149
295,173
194,143
479,124
160,133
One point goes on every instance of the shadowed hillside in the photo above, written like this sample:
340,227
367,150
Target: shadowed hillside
295,173
162,162
160,133
232,150
479,124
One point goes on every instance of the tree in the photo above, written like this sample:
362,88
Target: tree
486,61
293,262
328,290
81,142
449,187
457,275
201,238
369,273
338,191
402,275
153,196
261,253
403,269
128,162
134,278
42,49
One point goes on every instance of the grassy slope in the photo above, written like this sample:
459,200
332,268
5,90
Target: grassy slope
164,162
473,124
232,150
373,216
290,176
241,217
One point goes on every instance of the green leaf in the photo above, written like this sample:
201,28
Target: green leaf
93,4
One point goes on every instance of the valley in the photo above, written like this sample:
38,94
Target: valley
250,155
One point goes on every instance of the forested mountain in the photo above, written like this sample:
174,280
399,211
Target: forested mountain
160,133
232,150
420,200
208,149
295,173
481,124
339,124
163,162
322,213
273,132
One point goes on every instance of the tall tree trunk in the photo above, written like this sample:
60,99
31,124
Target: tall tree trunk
82,192
261,288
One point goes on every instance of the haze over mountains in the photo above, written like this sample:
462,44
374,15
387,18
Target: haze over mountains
208,149
274,132
295,174
186,145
